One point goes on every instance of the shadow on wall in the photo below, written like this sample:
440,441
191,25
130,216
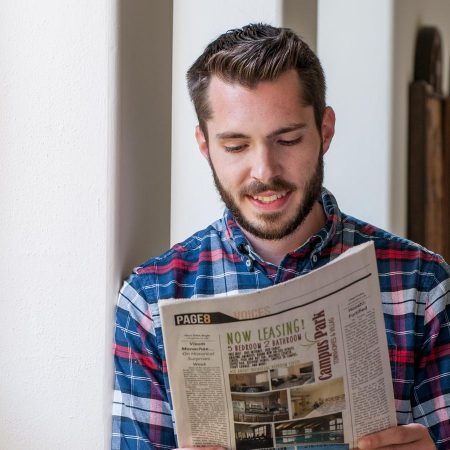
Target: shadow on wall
142,221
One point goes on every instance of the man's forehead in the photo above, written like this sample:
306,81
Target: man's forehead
281,96
286,89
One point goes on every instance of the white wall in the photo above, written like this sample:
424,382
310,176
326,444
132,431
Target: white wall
354,41
57,91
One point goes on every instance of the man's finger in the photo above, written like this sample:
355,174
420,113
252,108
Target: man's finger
200,448
404,434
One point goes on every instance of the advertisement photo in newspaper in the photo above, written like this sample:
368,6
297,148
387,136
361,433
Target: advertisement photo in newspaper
303,364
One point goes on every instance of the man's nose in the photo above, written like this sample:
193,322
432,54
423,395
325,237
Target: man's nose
265,164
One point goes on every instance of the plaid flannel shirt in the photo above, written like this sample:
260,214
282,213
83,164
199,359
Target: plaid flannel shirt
414,282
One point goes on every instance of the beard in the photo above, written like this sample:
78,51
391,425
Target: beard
271,226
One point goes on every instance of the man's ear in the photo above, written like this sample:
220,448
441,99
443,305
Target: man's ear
202,142
327,129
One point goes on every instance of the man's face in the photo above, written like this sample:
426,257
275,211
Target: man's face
265,153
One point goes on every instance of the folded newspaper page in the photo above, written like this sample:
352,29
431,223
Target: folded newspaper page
303,364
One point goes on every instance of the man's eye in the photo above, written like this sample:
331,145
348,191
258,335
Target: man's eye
292,142
234,148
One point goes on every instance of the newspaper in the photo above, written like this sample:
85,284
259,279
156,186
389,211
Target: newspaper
303,364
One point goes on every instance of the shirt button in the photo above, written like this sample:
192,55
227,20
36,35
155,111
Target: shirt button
314,258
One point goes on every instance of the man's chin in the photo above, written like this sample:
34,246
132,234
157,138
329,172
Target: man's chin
268,227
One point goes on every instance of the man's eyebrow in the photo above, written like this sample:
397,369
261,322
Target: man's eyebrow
289,128
231,135
282,130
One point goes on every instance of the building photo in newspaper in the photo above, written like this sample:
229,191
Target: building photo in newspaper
317,401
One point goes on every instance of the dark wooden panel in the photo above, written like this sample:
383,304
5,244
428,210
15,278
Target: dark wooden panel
418,92
434,164
429,148
446,181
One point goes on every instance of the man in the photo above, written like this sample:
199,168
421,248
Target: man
259,94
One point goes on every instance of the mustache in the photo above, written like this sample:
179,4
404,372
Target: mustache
277,184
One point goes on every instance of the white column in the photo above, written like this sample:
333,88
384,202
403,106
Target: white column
354,42
57,75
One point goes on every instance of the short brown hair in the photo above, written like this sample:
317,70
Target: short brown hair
255,53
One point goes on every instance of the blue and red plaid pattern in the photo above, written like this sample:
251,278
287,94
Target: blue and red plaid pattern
414,282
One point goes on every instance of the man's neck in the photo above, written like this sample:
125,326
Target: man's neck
274,251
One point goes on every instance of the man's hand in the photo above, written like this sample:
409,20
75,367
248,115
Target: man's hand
413,436
200,448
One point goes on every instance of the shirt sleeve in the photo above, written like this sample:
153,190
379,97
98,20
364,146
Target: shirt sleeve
142,416
431,393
